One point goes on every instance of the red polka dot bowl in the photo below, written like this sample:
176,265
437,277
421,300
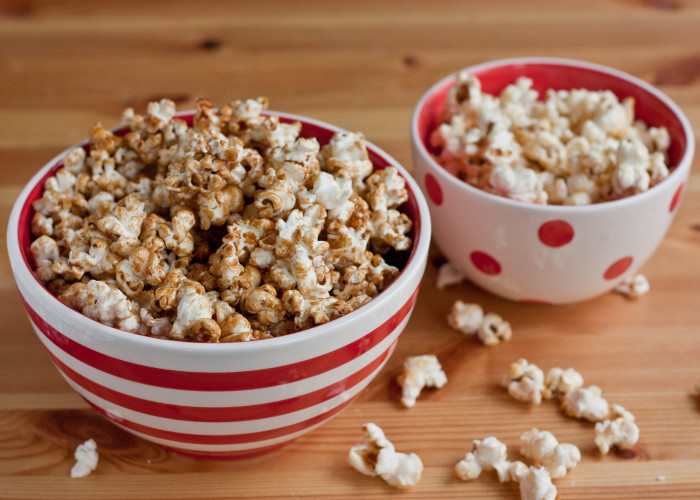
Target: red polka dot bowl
222,400
548,253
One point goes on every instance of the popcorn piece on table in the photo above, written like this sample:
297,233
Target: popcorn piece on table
525,381
466,318
537,485
377,457
420,372
633,287
544,449
448,275
86,459
494,330
470,319
487,454
587,403
558,383
619,430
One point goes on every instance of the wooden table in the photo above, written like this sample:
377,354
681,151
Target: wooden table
362,66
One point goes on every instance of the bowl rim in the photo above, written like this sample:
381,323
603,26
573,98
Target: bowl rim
684,162
415,261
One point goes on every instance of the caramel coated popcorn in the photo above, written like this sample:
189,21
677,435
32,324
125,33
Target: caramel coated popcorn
574,147
232,229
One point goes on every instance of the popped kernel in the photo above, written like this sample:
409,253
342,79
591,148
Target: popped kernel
377,457
524,381
633,286
86,459
490,328
587,403
618,431
574,147
486,454
544,449
420,372
537,485
448,275
232,229
558,383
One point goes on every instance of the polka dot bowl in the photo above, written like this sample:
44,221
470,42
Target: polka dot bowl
222,401
547,253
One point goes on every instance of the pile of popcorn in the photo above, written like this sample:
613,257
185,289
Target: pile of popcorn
575,147
233,229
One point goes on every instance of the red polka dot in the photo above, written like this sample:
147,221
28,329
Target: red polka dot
485,263
676,198
556,233
434,189
536,301
617,268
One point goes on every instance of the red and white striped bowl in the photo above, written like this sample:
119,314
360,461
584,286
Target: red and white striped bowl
221,400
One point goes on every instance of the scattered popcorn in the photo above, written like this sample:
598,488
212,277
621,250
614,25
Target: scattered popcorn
525,382
470,319
661,478
558,383
573,147
633,287
487,454
537,485
377,457
86,459
493,330
544,449
448,275
587,403
466,318
232,229
420,372
619,430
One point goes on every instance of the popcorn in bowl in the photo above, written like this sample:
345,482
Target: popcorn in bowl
204,399
233,229
573,147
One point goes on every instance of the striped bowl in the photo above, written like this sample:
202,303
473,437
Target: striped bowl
221,400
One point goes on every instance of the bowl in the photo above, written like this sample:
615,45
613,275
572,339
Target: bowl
221,400
550,253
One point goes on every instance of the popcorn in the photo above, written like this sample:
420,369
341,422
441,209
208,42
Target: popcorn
525,382
574,147
544,449
633,286
470,319
233,229
558,383
448,275
587,403
619,430
537,485
86,459
377,457
487,454
420,372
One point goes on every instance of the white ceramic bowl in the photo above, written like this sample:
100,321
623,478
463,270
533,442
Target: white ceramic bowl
550,254
222,400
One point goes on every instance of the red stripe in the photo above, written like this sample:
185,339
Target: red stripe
218,381
251,437
221,414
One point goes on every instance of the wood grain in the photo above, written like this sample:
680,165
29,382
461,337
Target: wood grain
362,66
